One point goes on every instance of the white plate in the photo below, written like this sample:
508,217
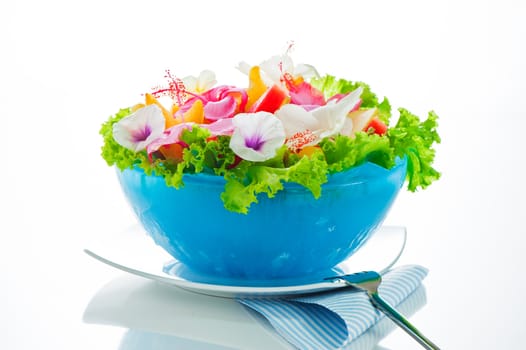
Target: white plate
138,255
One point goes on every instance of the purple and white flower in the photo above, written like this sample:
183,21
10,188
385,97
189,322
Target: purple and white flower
257,136
139,129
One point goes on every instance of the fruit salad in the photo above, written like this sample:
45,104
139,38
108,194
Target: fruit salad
288,124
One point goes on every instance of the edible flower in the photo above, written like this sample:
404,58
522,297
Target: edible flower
324,121
289,124
277,69
219,102
257,136
139,129
203,82
169,137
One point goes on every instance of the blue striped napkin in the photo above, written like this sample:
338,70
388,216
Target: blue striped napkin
332,320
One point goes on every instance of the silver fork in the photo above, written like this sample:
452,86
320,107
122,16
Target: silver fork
369,281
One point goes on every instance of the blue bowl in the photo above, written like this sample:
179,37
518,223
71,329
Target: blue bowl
288,236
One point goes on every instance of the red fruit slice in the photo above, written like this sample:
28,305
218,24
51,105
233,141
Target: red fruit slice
270,101
173,151
362,118
377,125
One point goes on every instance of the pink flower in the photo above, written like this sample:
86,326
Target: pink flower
219,103
220,127
170,136
306,95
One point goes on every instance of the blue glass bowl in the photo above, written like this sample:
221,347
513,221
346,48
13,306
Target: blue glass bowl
288,236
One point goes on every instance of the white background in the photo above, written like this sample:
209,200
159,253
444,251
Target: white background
65,66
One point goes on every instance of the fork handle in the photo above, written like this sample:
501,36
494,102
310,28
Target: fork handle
401,321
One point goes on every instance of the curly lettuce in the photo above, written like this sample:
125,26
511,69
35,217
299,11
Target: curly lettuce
329,85
246,181
203,154
343,152
414,139
115,154
410,137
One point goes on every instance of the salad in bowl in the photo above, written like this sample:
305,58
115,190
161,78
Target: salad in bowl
288,175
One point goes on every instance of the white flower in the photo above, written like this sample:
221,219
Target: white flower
275,68
295,119
204,82
256,136
139,129
324,121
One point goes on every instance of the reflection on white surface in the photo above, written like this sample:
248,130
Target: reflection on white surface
160,317
141,304
141,340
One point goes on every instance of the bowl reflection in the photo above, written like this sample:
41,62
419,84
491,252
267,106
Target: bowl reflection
135,339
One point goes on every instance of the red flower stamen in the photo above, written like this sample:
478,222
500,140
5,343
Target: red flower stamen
286,77
290,47
299,140
175,90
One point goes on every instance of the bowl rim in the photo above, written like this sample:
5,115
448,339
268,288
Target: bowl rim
364,173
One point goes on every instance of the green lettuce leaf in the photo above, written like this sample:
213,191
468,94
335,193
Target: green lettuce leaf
246,181
414,138
342,153
330,86
203,155
249,179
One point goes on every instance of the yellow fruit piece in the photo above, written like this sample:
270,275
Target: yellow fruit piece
196,113
137,107
169,120
175,108
256,86
298,80
308,151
